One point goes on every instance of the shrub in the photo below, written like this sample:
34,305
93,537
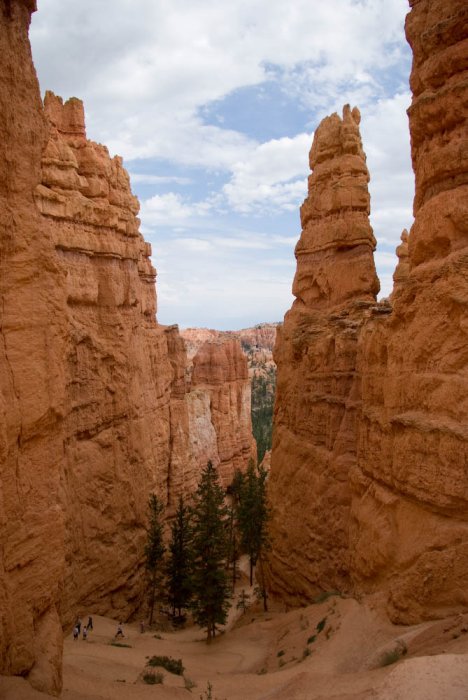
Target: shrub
321,624
306,652
393,655
188,683
120,644
153,678
167,662
312,639
280,653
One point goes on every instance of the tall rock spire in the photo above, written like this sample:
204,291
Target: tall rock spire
334,254
314,443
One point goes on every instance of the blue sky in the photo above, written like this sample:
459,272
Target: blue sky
213,107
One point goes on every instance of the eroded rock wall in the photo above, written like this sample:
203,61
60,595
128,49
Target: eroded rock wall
369,467
220,372
314,439
33,343
409,520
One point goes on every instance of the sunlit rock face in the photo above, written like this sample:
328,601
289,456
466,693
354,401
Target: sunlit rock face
314,439
220,372
33,343
95,407
409,529
369,481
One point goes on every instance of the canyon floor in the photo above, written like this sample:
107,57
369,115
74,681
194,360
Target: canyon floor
333,650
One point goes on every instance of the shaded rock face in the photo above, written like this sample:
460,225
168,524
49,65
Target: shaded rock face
409,521
369,480
314,439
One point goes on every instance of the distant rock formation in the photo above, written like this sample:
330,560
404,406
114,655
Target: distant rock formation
314,441
220,387
257,344
369,481
95,407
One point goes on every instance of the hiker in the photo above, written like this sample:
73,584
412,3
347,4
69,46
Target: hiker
76,633
78,624
119,632
142,627
85,634
90,623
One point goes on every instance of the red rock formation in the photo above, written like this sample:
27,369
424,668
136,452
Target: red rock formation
220,371
369,463
32,397
314,441
94,413
409,533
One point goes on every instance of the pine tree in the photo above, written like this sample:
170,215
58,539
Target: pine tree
154,550
180,561
210,586
254,514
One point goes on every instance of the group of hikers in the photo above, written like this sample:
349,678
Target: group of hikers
86,628
77,629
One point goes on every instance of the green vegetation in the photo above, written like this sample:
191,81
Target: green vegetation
393,655
263,399
321,625
180,561
210,586
153,678
172,665
312,639
154,551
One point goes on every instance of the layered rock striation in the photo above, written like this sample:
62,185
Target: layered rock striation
95,408
33,343
369,480
220,392
314,440
409,520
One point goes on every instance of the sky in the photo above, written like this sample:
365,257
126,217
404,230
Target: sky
213,107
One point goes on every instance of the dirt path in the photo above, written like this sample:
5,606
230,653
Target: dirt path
331,651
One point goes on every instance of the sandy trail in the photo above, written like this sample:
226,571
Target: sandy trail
328,651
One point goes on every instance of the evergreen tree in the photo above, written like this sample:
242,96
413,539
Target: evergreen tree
210,586
154,550
234,491
254,514
180,561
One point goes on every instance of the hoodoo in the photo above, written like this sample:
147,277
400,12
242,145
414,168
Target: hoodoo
369,480
314,443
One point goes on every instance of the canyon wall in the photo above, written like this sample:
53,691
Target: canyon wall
409,516
33,343
220,383
369,482
314,444
95,407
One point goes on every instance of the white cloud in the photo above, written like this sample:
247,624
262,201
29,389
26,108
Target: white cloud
150,73
148,179
146,73
273,175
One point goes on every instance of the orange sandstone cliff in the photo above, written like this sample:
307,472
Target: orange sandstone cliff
33,343
369,467
94,400
314,439
409,516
